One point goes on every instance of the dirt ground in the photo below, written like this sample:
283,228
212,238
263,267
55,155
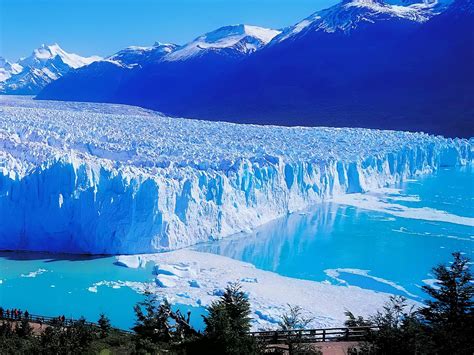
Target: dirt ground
336,348
327,348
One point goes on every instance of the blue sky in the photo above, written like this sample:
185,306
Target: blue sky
102,27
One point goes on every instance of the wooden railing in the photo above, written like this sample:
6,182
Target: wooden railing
315,335
268,337
46,320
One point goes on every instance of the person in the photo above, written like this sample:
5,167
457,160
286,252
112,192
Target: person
27,314
1,312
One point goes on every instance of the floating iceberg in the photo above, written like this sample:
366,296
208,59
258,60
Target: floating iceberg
268,292
115,179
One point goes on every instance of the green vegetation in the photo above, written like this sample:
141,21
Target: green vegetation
444,326
80,337
228,324
292,321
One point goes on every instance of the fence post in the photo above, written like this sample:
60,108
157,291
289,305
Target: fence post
324,335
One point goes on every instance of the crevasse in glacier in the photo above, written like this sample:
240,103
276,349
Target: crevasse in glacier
110,179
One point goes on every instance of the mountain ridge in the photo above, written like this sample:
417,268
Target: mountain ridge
359,63
46,63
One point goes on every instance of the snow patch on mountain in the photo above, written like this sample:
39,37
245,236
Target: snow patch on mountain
8,69
241,39
348,15
135,55
439,5
100,178
45,53
46,64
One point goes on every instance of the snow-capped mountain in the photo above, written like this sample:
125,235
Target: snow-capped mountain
46,64
438,5
135,55
235,40
163,69
8,69
349,15
42,56
362,63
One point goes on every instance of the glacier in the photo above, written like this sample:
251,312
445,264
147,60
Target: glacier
115,179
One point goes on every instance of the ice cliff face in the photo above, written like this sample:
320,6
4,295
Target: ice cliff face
97,178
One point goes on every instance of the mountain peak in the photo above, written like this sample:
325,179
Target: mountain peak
45,52
3,62
233,31
133,55
347,15
42,55
45,64
246,37
364,2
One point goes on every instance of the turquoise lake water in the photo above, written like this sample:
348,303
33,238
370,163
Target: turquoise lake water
63,287
332,242
398,253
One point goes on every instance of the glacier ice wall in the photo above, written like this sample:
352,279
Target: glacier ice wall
111,179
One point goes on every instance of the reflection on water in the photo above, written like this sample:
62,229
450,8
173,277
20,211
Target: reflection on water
398,253
331,242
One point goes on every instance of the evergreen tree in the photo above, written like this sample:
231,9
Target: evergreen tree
159,327
78,336
152,319
104,324
453,294
450,312
400,331
228,324
353,321
292,321
23,328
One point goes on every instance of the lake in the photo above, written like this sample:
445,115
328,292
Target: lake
390,250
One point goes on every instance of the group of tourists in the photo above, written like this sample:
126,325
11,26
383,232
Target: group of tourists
13,314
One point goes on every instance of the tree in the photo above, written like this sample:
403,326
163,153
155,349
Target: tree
400,331
182,329
152,319
104,325
444,326
157,326
228,324
83,333
450,311
453,293
292,321
23,328
353,321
